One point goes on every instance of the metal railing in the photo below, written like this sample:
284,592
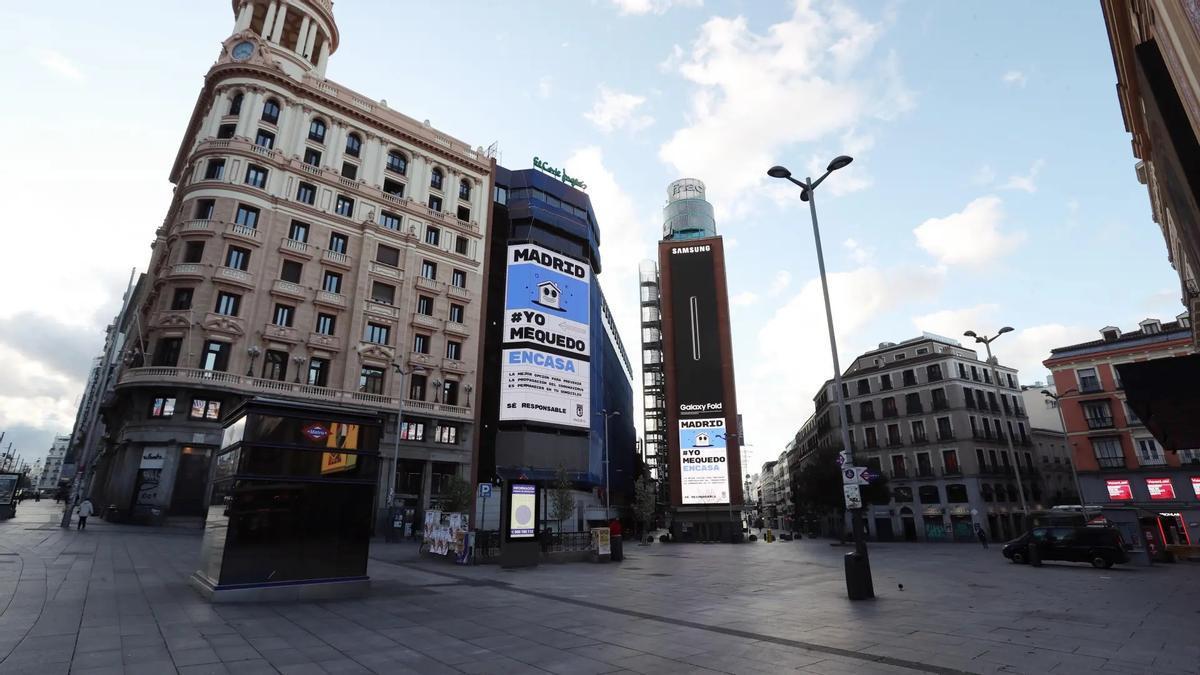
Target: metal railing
1099,421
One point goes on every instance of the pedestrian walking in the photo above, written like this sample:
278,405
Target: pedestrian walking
615,543
981,534
84,510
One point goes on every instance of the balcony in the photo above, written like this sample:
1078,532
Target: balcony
437,408
916,409
923,472
454,365
187,270
426,321
944,435
910,381
458,293
922,439
934,377
221,323
297,248
895,443
1099,422
952,471
336,259
1111,462
281,333
1090,386
287,288
243,233
196,227
388,271
430,285
332,299
239,277
868,416
898,472
419,359
455,328
888,414
327,342
941,405
872,444
385,310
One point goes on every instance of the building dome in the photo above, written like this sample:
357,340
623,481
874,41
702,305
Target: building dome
688,215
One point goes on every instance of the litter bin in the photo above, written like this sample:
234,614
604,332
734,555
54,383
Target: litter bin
858,577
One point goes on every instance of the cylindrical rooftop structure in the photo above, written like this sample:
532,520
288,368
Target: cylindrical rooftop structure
688,215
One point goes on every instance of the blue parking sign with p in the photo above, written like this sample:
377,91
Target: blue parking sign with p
485,490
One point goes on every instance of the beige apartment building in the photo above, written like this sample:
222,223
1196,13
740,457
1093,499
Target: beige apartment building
320,247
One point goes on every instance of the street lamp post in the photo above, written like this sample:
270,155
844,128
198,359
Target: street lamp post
857,565
253,351
987,343
607,499
399,370
1057,398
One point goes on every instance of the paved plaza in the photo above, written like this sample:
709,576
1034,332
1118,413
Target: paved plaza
114,599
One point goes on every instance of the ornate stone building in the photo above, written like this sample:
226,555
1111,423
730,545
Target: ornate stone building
319,247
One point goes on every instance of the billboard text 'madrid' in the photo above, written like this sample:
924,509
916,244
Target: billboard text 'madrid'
544,376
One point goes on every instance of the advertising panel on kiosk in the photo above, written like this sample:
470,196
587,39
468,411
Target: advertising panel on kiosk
522,512
698,373
544,374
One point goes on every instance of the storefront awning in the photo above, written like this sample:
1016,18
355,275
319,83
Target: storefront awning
1164,395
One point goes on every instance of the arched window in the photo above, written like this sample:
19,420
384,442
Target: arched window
271,111
397,162
235,104
316,130
353,145
464,189
435,179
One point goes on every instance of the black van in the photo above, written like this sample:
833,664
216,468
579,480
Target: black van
1100,546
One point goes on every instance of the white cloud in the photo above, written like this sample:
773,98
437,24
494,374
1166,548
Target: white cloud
970,237
618,110
780,283
952,323
58,63
858,254
1014,78
757,94
639,7
984,175
545,87
1030,346
743,299
1025,182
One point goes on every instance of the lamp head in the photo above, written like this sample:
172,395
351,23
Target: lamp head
970,334
839,162
1006,329
804,195
779,172
1046,392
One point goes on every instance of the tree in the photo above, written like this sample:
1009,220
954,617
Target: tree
645,501
457,495
561,497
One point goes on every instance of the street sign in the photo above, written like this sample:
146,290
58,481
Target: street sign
857,475
853,497
841,459
485,490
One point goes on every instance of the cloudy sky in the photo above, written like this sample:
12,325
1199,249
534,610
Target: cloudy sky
993,182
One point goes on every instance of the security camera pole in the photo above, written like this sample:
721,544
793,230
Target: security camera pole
857,565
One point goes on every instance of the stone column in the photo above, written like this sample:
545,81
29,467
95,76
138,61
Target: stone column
251,112
219,105
311,41
302,36
336,142
277,31
269,20
302,132
323,59
372,164
426,482
245,16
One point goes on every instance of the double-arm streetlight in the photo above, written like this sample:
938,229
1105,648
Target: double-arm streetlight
987,344
857,565
608,414
1057,398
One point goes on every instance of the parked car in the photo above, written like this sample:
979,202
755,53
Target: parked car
1100,546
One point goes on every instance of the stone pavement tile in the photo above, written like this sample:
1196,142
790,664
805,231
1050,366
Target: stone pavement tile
320,652
150,668
603,651
147,654
269,642
235,653
251,667
651,664
735,665
110,657
576,665
193,656
142,640
178,642
309,668
343,665
1026,657
843,666
204,669
227,640
284,657
89,642
497,665
102,670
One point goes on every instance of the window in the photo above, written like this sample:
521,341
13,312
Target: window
940,402
215,356
866,411
235,104
246,216
929,494
316,130
205,409
893,435
458,279
162,406
193,251
326,324
945,433
1149,453
237,258
1098,414
312,157
898,357
338,243
256,176
956,493
1089,381
389,220
381,292
864,387
1108,453
275,365
182,299
446,433
306,193
464,213
889,407
205,208
987,376
918,431
464,189
349,170
456,313
974,373
1130,416
370,380
432,235
344,206
353,145
397,163
933,372
454,352
331,282
428,269
226,131
962,371
416,387
167,354
291,271
500,194
412,431
228,303
387,255
1011,382
909,377
393,187
377,333
421,343
912,404
214,170
871,438
318,372
284,315
435,179
265,139
1189,456
461,244
950,462
425,305
885,382
270,111
435,203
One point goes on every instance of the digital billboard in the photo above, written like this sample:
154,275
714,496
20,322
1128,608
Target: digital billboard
1119,490
522,511
1196,486
545,362
1160,488
703,461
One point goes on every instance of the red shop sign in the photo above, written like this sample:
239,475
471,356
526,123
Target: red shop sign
1196,486
1160,488
1119,490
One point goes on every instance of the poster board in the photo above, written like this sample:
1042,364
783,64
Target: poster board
446,533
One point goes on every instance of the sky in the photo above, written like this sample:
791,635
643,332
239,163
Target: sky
993,182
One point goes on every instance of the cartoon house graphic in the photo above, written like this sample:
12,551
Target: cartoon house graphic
549,296
702,441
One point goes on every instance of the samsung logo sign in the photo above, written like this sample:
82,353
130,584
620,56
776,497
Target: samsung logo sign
691,249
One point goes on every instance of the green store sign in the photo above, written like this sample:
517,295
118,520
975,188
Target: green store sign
559,174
